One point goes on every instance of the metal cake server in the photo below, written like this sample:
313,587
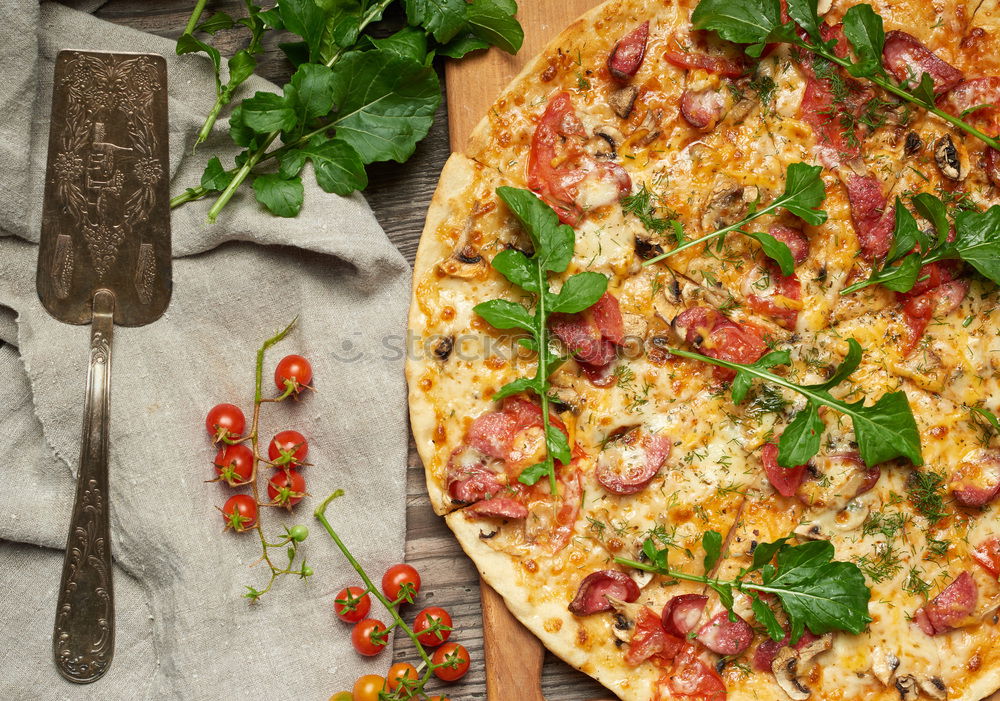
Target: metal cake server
103,259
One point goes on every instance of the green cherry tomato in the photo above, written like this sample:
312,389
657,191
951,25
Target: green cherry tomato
298,533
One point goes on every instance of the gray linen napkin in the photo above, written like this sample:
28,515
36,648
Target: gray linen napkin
183,630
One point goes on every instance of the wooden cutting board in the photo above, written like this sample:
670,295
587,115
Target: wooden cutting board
513,655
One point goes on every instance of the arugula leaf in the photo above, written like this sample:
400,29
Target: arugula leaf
306,19
933,210
385,102
711,541
281,196
744,22
805,14
338,167
310,92
494,24
800,440
906,234
977,240
803,194
442,18
743,380
553,245
408,42
814,590
863,28
266,112
765,616
215,177
776,250
884,430
580,292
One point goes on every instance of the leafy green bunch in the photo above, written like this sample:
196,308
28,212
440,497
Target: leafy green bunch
813,589
884,431
804,193
758,22
353,99
553,245
976,242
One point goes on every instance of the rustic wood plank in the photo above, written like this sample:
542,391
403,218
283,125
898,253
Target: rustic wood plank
399,195
475,81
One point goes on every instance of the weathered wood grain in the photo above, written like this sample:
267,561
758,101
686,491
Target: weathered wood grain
399,195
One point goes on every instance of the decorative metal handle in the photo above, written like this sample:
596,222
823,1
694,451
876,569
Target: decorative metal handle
84,637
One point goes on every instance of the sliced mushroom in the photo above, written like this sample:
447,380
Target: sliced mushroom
934,687
622,101
790,663
907,687
948,159
727,204
465,263
913,144
823,6
884,664
442,349
626,615
851,516
608,140
646,249
811,531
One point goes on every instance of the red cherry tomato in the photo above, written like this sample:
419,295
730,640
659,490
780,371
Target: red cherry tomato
294,369
432,626
225,421
352,604
288,448
286,488
365,638
234,464
240,512
367,688
397,673
401,580
456,659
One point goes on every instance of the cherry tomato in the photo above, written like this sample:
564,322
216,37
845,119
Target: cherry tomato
367,688
240,512
234,464
457,659
286,488
342,696
401,580
352,604
432,626
438,698
225,421
288,448
294,369
365,639
397,673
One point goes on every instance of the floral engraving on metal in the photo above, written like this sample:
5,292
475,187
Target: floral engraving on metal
145,273
62,265
90,168
83,662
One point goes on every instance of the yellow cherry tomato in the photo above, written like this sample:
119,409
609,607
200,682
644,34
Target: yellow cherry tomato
398,672
366,688
342,696
439,698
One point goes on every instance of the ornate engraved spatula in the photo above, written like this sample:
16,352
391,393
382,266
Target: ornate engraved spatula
104,259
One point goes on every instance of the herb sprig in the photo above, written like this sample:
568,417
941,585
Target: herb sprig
758,22
814,590
884,431
353,99
804,193
976,242
553,245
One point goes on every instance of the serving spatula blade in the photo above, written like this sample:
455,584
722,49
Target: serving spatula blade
104,259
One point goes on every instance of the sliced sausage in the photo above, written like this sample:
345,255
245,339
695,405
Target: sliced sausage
906,58
498,507
629,463
626,57
596,587
725,636
949,609
976,480
682,613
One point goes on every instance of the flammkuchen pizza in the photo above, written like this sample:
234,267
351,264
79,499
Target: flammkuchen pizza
710,346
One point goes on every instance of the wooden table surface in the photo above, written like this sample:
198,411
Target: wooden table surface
399,195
